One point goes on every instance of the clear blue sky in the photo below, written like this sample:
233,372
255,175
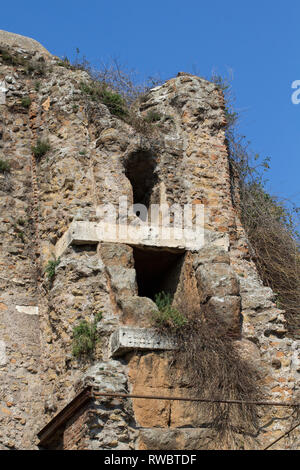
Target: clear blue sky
259,41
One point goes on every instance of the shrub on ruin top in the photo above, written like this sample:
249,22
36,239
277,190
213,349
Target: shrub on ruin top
100,92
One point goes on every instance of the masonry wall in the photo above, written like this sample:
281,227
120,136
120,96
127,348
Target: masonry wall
86,167
19,326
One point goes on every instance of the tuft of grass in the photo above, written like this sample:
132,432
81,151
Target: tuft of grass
167,315
85,337
4,166
64,62
51,269
30,67
41,148
35,68
26,102
100,92
153,116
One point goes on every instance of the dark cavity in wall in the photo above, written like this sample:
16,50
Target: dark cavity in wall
157,270
140,170
90,248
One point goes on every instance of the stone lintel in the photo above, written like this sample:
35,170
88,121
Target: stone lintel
126,339
81,232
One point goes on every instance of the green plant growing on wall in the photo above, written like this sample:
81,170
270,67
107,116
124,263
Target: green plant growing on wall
167,316
41,148
21,236
11,59
35,68
153,116
64,62
114,102
51,269
26,102
85,337
4,166
100,92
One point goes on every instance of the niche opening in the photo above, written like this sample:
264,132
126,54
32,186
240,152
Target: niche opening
140,170
157,270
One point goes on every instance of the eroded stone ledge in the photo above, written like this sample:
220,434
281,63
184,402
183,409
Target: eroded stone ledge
81,232
126,339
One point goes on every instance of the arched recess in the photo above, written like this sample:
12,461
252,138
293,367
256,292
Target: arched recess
140,169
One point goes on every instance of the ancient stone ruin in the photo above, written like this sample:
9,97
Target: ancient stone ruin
51,217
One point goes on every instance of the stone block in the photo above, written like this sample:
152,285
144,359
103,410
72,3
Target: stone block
28,310
123,280
137,311
227,308
127,339
216,280
211,254
81,232
3,358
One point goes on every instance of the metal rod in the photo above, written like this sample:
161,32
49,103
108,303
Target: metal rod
281,437
202,400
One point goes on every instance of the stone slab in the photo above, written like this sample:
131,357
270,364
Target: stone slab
28,310
81,232
3,358
126,339
3,91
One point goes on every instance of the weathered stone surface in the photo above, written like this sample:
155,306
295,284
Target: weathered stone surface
248,351
126,339
228,309
3,358
3,91
170,439
21,42
211,254
43,200
258,299
216,280
116,254
108,376
137,311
